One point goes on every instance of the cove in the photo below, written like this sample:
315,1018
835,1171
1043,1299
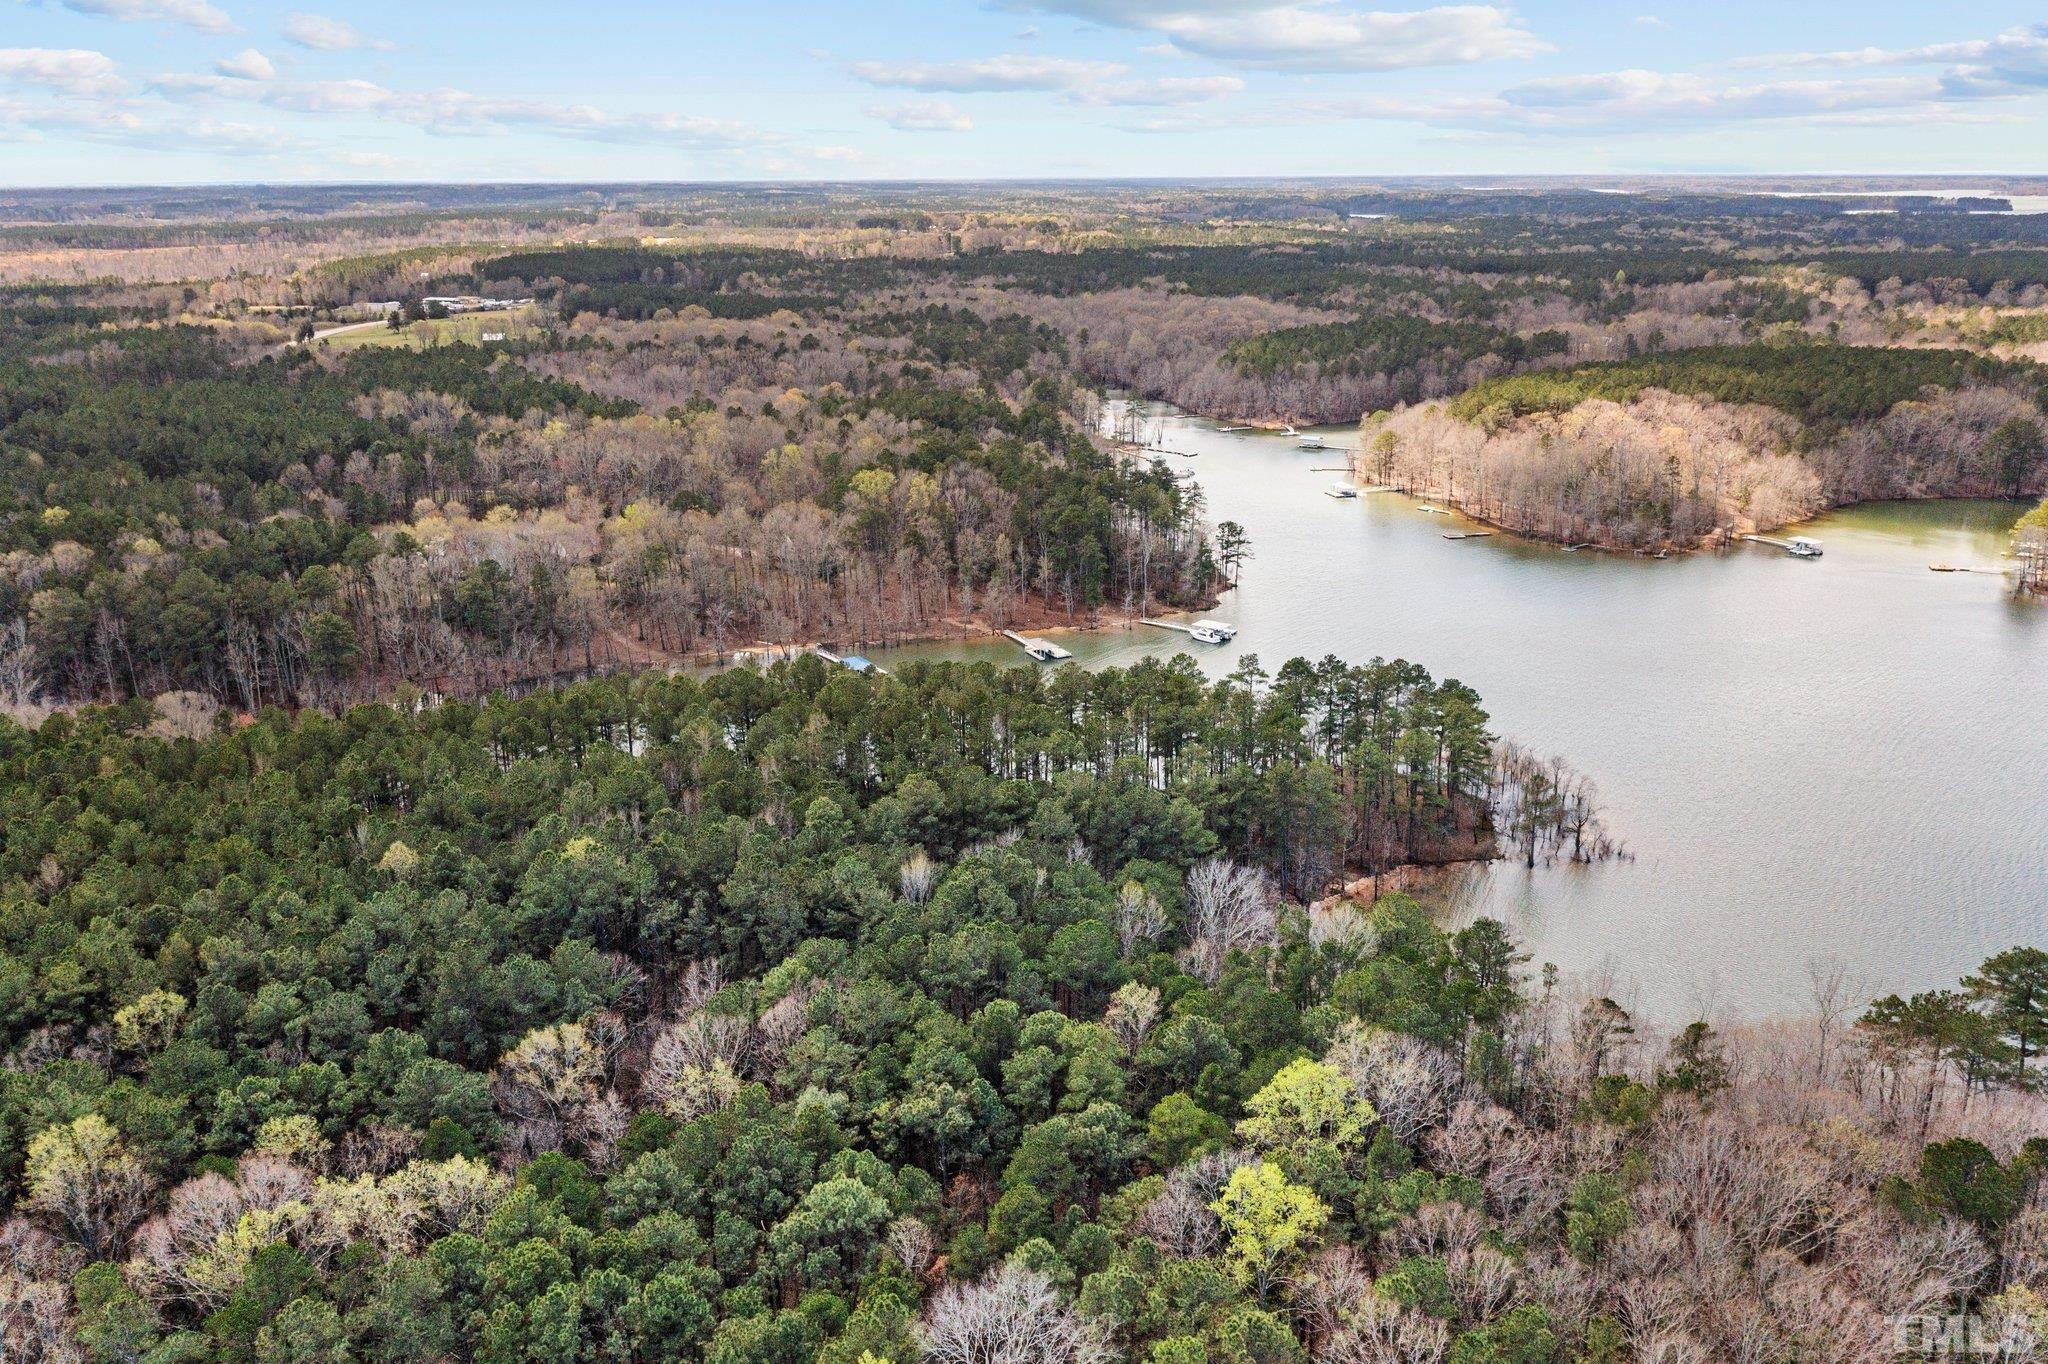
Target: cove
1840,758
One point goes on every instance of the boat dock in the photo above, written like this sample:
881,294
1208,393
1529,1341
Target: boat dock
1432,511
1466,534
1203,631
854,662
1799,546
1042,650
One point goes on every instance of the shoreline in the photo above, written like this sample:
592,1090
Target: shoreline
1720,540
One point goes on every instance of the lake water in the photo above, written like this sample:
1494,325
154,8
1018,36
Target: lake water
1839,758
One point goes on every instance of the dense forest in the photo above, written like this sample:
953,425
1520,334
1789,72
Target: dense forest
184,511
958,1015
737,417
355,1008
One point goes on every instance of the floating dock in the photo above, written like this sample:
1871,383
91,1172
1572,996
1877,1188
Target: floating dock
1432,511
1205,631
854,662
1466,534
1799,546
1041,650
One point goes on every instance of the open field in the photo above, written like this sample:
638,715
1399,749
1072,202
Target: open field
469,328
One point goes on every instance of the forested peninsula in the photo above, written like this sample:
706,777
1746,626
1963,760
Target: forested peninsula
960,1014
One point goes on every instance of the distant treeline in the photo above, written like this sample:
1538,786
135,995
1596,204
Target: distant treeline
1981,270
1385,344
1824,386
638,282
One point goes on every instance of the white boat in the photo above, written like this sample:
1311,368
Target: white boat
1803,547
1213,631
1342,490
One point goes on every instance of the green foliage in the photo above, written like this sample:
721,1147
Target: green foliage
1961,1178
1388,344
1621,1101
1522,1335
1268,1223
1597,1211
1307,1106
1824,386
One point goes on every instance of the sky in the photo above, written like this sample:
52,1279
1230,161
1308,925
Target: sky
101,92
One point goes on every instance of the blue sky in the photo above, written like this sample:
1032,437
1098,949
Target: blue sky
188,91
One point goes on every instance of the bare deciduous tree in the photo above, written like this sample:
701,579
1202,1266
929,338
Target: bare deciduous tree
1132,1011
1136,917
917,877
1230,908
1381,1332
1012,1315
545,1081
1409,1083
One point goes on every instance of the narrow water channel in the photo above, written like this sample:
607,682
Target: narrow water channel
1838,758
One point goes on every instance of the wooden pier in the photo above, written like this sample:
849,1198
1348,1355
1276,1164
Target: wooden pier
1044,651
1799,546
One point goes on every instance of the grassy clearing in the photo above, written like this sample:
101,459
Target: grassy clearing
469,327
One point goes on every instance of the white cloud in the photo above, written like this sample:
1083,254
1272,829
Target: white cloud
1136,13
1973,82
1079,82
246,65
121,125
922,116
1322,38
1638,97
461,113
1012,71
73,70
354,158
186,13
1168,90
2016,59
1315,35
2009,66
323,34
